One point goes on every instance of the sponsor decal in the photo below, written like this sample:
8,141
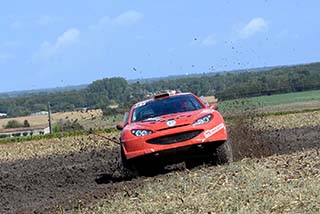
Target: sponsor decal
152,119
171,123
207,111
140,104
214,130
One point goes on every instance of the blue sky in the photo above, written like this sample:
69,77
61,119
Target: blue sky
58,43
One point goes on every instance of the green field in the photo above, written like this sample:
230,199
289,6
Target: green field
279,102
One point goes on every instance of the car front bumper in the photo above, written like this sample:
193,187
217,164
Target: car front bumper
142,146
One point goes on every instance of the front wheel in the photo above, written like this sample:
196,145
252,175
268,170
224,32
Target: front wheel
224,153
140,167
128,167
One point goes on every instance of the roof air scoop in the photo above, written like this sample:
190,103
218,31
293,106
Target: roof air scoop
161,96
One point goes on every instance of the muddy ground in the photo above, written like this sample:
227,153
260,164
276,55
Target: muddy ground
69,181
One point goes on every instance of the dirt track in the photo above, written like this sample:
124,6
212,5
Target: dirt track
74,179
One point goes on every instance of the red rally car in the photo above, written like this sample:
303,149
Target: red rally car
172,128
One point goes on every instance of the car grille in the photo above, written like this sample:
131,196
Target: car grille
175,138
173,127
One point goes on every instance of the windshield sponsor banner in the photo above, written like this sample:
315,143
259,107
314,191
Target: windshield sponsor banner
140,104
152,119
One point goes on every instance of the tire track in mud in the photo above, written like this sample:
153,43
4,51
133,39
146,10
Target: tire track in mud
72,180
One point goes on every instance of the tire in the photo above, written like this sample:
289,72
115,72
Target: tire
224,153
128,167
123,158
135,168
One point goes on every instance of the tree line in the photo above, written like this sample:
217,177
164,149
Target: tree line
117,91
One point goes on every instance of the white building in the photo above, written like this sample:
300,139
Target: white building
25,131
3,115
40,113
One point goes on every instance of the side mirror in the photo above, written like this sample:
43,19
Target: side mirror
214,106
120,126
204,100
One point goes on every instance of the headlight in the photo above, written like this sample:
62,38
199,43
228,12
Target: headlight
203,120
140,132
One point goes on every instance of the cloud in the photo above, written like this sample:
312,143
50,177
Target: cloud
128,18
254,26
125,19
209,41
68,38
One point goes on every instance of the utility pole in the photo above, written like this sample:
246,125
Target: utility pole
49,118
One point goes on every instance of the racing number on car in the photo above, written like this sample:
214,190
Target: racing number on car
171,123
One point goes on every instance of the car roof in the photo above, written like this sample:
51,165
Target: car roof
152,99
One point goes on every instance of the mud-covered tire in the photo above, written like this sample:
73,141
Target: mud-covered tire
224,153
135,168
123,159
128,167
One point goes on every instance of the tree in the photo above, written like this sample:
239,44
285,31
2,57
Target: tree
13,124
26,123
223,85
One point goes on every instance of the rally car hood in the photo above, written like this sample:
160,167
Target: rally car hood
165,121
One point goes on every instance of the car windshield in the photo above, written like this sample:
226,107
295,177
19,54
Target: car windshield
170,105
